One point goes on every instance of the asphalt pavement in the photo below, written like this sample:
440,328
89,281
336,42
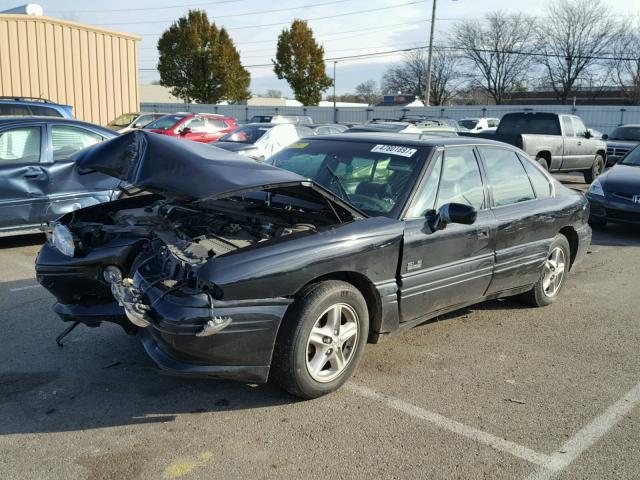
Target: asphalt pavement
494,391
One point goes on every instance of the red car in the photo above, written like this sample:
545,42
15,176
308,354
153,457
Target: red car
199,127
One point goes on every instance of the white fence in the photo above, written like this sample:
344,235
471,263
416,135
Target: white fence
603,118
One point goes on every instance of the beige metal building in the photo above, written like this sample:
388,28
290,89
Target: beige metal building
93,69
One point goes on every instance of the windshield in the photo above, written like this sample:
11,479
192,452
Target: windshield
470,124
632,158
626,133
123,120
261,119
247,134
376,178
164,123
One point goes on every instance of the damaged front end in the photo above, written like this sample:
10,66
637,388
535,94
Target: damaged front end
139,262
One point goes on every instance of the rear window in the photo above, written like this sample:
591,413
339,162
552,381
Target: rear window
376,178
44,111
532,123
14,110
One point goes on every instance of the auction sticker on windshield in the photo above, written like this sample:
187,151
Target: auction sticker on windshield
298,145
394,150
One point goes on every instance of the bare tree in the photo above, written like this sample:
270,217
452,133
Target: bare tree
273,93
498,50
446,77
571,38
410,77
625,68
368,91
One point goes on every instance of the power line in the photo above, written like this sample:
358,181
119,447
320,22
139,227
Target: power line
244,27
244,14
201,4
368,31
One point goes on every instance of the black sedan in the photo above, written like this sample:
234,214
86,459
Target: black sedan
235,269
615,195
38,178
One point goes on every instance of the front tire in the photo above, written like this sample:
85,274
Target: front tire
596,169
321,340
553,276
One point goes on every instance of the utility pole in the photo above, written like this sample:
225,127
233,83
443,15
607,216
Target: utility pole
335,112
429,61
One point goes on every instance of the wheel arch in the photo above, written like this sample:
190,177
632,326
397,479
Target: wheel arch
364,285
572,237
546,155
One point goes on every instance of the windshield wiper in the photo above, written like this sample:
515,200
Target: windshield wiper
336,179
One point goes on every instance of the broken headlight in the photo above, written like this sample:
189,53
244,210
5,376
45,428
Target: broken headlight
62,239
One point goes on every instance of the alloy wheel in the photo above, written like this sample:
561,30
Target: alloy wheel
554,272
332,341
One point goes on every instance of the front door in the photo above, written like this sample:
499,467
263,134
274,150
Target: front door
23,180
67,190
453,266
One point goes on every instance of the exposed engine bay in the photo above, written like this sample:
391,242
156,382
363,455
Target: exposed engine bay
195,232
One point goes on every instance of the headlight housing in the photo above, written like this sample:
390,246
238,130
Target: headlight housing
62,239
596,188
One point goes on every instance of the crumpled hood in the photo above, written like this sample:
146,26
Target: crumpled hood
178,168
621,179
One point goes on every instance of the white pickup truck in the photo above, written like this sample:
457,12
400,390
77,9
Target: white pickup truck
559,142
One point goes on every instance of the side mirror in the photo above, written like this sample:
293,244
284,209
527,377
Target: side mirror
136,125
185,130
605,137
452,213
588,134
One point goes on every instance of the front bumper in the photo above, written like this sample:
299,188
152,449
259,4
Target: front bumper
611,210
242,350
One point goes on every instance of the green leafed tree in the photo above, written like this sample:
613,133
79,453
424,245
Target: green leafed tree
199,62
300,61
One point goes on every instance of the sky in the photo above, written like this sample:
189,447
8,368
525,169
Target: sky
354,27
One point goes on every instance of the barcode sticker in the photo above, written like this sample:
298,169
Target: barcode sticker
394,150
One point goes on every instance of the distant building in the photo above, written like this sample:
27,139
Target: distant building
93,69
157,94
602,96
400,101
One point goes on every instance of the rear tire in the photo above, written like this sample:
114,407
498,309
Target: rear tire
310,359
553,276
596,169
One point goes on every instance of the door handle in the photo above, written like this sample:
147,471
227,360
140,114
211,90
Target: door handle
33,176
579,143
482,234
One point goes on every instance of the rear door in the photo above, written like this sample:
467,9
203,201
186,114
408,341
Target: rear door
23,180
523,214
67,190
453,266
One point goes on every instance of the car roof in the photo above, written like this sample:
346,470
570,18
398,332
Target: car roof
412,139
54,120
31,102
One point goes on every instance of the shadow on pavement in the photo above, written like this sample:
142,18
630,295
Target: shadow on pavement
22,240
617,235
100,378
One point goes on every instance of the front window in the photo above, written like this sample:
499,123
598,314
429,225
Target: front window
68,140
626,133
469,124
632,158
376,178
164,123
123,120
247,134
